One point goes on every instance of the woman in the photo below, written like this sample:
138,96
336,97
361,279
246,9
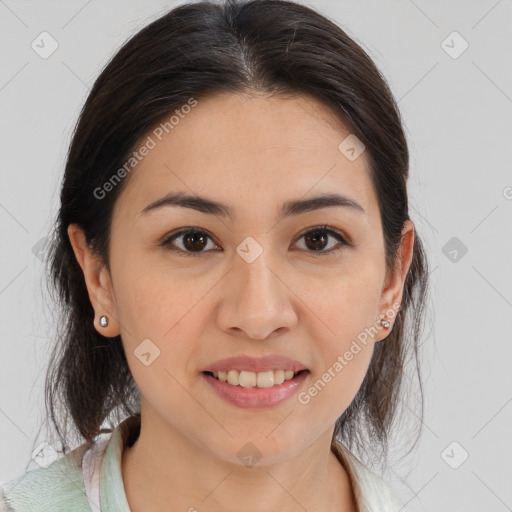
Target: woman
235,261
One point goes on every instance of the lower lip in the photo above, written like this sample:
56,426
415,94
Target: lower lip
256,398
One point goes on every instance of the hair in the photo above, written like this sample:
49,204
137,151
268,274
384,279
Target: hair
274,47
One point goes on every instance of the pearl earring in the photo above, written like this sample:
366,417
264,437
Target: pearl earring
385,323
103,321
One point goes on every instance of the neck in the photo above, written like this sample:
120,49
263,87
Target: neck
163,470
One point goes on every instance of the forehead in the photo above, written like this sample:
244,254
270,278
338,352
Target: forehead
245,150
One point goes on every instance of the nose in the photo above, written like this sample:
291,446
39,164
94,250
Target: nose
257,301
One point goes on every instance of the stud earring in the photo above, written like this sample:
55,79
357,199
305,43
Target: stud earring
103,321
385,323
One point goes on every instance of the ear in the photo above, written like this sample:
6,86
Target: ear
394,286
98,282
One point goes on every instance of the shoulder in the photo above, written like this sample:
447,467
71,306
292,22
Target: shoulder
56,487
372,492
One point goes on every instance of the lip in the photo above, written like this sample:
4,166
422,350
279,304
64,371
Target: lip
255,364
256,398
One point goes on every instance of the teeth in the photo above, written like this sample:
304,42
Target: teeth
248,379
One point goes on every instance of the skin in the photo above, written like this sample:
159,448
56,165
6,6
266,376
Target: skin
253,153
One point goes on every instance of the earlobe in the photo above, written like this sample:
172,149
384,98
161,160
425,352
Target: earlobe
97,281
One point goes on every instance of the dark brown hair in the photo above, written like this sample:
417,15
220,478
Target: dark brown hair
274,47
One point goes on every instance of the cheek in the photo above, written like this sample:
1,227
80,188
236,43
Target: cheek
335,384
345,302
161,313
152,299
343,325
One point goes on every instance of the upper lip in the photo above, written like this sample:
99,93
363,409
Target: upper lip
255,364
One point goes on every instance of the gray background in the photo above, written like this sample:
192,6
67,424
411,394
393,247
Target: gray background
457,114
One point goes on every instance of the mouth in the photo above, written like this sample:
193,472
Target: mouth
249,379
257,391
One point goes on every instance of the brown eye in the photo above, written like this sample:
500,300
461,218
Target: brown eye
317,239
193,242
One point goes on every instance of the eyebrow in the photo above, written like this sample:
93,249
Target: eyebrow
211,207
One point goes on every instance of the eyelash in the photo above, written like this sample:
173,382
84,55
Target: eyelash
166,242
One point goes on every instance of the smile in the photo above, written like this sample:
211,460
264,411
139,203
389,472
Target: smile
248,379
276,386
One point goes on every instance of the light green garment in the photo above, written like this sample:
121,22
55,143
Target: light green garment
60,487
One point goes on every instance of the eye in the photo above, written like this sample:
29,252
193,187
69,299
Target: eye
316,239
194,241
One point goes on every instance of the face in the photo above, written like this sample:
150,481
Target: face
256,281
